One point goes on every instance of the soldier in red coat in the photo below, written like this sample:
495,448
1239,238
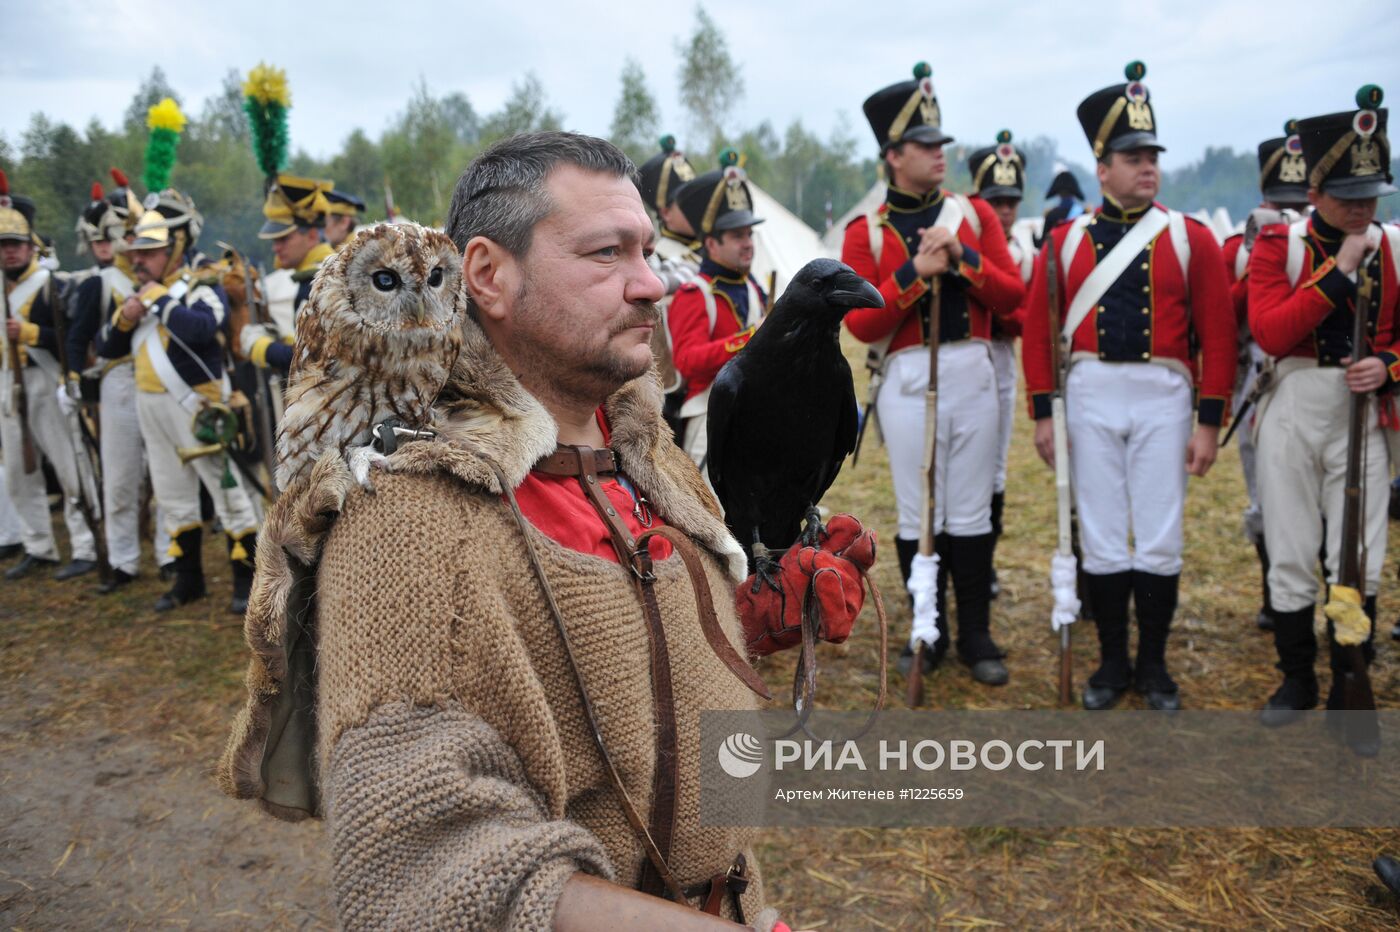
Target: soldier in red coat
999,178
921,233
1305,279
1139,286
1283,182
712,316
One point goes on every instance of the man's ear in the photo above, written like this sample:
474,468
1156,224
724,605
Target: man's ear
489,272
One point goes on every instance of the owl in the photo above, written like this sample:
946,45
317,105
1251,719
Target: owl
377,338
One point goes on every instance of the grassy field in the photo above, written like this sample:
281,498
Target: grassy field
175,680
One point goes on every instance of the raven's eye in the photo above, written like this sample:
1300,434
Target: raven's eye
435,277
385,280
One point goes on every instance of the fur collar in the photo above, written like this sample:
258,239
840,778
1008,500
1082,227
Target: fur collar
487,412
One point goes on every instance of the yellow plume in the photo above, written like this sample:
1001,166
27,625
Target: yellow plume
166,115
268,85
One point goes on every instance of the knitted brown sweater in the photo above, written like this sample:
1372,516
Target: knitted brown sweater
460,783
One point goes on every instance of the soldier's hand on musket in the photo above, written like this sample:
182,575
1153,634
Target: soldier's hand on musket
1351,252
12,328
932,258
1364,376
132,309
1201,451
1045,440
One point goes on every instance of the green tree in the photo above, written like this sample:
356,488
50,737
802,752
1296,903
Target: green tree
636,118
710,83
152,90
526,110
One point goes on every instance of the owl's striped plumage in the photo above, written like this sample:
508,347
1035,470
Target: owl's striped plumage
376,338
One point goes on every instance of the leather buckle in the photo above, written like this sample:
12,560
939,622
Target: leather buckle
642,566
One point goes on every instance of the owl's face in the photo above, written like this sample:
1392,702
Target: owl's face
402,276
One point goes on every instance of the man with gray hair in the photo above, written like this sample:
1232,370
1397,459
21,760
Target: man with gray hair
517,629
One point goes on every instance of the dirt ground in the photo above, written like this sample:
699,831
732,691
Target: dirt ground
102,827
111,719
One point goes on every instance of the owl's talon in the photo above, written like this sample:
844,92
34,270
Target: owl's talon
362,460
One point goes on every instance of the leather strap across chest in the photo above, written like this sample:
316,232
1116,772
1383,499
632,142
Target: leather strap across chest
589,465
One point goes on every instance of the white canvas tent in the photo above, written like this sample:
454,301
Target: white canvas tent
873,198
783,244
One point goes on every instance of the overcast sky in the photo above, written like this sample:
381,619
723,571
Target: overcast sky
1220,73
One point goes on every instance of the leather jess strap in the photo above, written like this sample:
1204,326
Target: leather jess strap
588,465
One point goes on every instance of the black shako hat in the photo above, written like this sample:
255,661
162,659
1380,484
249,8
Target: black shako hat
999,170
718,200
663,174
1347,154
1283,174
907,112
1120,118
1065,184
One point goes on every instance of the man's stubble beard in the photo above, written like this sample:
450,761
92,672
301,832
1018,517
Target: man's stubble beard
594,377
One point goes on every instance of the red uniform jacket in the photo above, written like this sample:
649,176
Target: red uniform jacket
990,282
697,351
1009,327
1313,318
1145,314
1239,283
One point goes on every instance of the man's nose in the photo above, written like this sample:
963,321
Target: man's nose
642,282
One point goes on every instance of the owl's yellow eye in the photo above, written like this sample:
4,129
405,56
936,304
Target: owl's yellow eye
435,277
385,280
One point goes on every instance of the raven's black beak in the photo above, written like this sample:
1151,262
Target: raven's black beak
847,289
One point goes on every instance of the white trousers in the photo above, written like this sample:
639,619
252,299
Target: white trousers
1004,362
165,427
11,530
1302,478
1254,513
966,450
123,468
1129,424
54,440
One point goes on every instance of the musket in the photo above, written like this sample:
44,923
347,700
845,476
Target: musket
1064,504
84,450
874,364
262,415
1356,682
914,691
16,402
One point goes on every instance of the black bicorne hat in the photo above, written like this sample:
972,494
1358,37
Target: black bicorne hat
1347,153
999,170
907,112
1120,118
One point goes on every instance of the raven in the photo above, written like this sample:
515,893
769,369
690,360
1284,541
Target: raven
782,412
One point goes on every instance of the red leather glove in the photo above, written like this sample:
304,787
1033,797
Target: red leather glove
834,572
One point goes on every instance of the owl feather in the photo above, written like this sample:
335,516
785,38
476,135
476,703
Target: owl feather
377,338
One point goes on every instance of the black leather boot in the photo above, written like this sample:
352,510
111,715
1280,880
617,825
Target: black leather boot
120,579
970,564
1265,618
189,571
1297,653
1109,594
1155,598
241,554
1388,870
